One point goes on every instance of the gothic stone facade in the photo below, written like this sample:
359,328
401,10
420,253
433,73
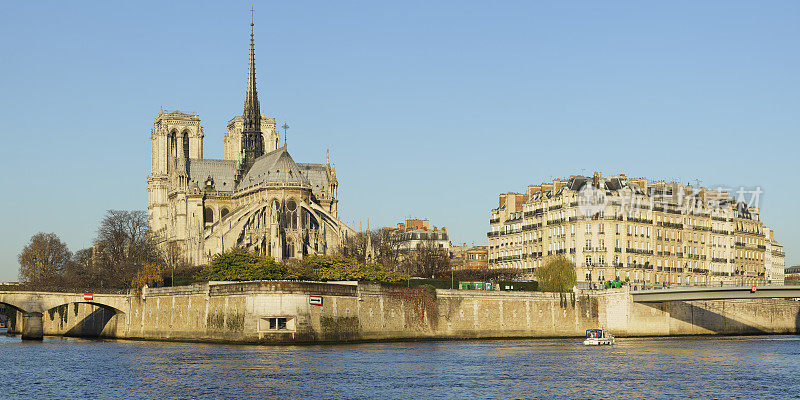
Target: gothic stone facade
255,198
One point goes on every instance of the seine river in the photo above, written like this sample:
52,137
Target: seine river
766,367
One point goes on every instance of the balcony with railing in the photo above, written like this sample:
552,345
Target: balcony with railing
638,251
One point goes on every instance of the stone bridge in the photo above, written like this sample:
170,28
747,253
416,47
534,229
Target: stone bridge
33,305
715,293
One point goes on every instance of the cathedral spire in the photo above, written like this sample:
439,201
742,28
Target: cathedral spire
252,139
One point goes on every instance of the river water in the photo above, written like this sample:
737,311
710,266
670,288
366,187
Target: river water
764,367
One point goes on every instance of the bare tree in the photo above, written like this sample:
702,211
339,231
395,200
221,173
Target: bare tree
43,260
386,245
354,247
173,259
81,271
123,246
429,260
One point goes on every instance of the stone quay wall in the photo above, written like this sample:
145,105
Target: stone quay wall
290,312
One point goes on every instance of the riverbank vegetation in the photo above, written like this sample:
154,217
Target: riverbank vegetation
557,275
240,265
126,254
121,249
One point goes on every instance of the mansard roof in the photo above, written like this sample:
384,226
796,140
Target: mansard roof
275,168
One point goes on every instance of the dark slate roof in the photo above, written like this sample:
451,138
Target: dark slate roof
275,168
614,184
223,172
576,183
317,175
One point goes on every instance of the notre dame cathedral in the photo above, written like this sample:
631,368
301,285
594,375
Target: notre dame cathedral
256,198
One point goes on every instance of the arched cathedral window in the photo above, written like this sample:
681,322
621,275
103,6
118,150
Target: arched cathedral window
288,248
186,145
291,213
276,207
171,144
208,215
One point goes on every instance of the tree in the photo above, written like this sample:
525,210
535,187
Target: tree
241,265
43,260
557,275
123,246
385,247
354,247
150,275
340,268
81,270
173,259
428,260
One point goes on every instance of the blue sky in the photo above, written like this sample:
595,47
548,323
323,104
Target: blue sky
430,109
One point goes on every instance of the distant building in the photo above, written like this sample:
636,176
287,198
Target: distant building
791,275
466,257
633,230
458,256
774,259
414,232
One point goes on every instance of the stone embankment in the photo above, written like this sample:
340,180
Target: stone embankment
313,312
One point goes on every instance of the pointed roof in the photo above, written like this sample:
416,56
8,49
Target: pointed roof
252,109
276,168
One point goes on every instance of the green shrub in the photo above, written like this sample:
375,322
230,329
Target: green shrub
557,275
240,265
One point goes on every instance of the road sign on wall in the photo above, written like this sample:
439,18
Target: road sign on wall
88,296
315,300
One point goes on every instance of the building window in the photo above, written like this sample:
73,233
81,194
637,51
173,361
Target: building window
276,324
208,215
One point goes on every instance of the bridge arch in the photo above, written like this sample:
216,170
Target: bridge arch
91,302
84,318
12,316
12,305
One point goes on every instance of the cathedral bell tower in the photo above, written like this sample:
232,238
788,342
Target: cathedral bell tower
252,140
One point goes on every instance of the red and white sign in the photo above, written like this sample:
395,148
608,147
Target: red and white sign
88,296
315,300
753,289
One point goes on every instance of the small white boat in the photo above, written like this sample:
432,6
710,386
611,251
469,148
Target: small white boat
598,337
